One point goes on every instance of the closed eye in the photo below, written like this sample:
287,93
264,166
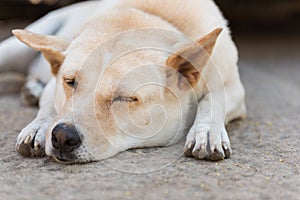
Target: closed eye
124,99
71,82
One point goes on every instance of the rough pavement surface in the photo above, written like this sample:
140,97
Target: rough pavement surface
264,165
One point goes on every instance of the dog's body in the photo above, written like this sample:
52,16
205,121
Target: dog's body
110,75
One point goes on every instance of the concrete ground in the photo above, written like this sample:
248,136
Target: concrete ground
264,165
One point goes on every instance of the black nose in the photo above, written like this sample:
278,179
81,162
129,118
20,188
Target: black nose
65,138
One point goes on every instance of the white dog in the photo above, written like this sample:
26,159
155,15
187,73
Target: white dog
128,74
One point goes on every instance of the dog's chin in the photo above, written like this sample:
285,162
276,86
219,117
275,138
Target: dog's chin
66,158
69,161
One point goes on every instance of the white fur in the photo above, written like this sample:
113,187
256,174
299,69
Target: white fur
220,92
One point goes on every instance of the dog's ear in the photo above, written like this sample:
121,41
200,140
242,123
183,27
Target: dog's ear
52,47
191,59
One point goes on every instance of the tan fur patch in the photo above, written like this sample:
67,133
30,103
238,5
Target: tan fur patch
190,60
51,46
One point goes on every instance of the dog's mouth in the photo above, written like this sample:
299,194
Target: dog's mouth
68,158
63,157
62,160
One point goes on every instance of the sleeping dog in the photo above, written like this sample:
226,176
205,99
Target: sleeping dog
120,74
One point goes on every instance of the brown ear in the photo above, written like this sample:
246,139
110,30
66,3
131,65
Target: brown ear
51,46
190,60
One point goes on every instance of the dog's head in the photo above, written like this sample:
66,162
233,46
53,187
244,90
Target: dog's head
132,90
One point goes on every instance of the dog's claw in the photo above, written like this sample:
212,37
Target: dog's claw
227,150
188,149
27,139
224,146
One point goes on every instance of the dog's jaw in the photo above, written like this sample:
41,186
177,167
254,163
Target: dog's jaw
82,155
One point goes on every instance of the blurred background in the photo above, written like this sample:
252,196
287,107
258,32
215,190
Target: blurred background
243,15
253,23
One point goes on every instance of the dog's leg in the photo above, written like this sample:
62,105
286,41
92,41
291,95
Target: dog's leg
207,138
38,76
31,140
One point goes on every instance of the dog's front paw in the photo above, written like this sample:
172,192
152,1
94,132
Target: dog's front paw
207,142
31,140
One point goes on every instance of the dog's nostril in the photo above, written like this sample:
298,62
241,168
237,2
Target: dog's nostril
71,143
65,138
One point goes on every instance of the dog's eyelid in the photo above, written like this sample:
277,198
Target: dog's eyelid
69,79
69,75
121,98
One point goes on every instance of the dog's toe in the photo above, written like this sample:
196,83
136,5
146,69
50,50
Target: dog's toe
24,149
39,142
200,151
216,153
195,150
203,152
227,150
39,151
